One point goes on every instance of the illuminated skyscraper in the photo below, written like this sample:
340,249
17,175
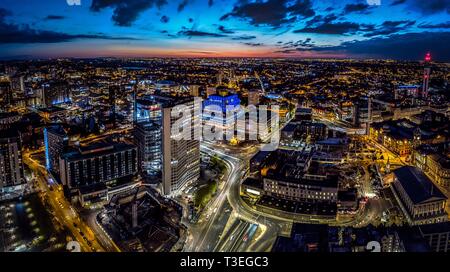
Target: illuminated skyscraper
147,137
11,167
147,109
178,160
113,90
6,92
56,141
180,157
54,93
426,76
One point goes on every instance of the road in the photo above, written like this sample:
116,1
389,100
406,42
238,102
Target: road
216,225
106,241
227,207
61,209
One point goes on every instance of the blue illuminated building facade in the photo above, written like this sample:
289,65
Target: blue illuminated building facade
56,93
47,151
55,141
228,102
274,96
229,105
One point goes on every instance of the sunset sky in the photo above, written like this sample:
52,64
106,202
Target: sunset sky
397,29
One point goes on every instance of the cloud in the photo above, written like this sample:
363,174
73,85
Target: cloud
164,19
195,33
12,33
244,37
254,44
286,51
441,25
338,28
182,5
397,2
294,47
357,8
428,7
390,27
410,46
125,12
210,3
320,19
425,7
4,13
274,13
327,25
225,30
300,44
54,17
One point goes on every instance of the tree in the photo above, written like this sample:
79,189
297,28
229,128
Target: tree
204,194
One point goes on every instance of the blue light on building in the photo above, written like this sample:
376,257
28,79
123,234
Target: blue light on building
47,152
273,96
228,102
61,101
230,106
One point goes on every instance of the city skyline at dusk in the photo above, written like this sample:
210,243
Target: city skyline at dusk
395,29
214,126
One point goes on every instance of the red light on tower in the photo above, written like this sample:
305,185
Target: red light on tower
426,76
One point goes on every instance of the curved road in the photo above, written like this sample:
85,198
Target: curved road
227,207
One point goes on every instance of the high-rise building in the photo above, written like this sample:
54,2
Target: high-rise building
426,76
54,93
178,160
181,157
91,171
113,90
147,138
6,92
11,167
55,143
148,109
18,84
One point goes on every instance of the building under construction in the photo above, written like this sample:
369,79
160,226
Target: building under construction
141,221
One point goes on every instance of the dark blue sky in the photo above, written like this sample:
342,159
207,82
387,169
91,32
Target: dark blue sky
398,29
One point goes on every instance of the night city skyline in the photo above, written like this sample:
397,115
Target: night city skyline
225,127
395,29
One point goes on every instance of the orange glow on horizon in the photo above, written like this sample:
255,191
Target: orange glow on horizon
225,51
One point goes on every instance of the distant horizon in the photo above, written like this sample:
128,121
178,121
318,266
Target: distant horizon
32,58
395,29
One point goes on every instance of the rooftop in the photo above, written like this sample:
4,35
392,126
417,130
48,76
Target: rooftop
96,150
435,228
56,129
51,109
418,187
